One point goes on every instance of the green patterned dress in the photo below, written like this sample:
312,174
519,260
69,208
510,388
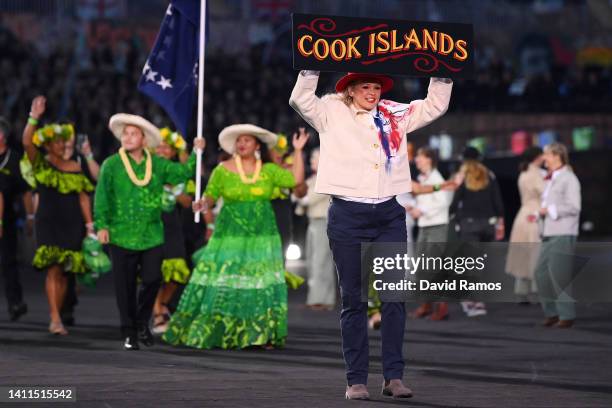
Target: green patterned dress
237,295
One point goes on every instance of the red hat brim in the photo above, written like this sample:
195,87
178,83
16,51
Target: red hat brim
385,81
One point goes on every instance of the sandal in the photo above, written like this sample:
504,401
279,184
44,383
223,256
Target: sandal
160,323
57,329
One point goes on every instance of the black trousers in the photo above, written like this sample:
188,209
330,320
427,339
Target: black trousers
350,224
476,230
8,263
135,312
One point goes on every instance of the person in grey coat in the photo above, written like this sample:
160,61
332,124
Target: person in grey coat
560,213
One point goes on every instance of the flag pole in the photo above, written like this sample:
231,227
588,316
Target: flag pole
199,134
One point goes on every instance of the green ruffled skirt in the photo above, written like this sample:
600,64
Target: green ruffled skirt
175,270
237,295
70,261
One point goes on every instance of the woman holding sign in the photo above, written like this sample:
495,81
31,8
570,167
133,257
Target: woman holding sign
363,166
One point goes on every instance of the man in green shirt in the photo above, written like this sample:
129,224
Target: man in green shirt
127,215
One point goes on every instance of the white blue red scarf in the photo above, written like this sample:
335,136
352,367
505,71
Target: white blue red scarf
387,116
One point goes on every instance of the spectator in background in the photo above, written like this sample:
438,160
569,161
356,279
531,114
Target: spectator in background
12,188
281,202
560,211
319,262
83,156
478,210
176,199
80,151
431,213
525,235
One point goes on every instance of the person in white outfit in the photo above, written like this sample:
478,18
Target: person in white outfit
525,236
319,262
431,213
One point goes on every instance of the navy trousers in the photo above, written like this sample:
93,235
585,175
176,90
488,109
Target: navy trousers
350,224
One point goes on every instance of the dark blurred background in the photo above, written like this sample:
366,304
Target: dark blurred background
543,73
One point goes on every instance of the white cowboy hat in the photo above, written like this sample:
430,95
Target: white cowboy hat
119,120
228,136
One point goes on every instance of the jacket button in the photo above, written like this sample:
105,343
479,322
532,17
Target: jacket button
376,166
375,145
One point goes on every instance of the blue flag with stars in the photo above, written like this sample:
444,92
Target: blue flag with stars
169,76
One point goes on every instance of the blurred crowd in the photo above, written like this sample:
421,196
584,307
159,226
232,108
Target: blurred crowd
88,84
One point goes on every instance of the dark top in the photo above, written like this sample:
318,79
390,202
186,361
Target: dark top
79,158
59,220
12,184
485,203
174,241
194,233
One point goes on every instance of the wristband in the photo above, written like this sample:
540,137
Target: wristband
89,157
32,121
436,187
1,222
210,227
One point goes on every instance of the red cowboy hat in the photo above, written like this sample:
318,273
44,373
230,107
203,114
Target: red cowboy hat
385,81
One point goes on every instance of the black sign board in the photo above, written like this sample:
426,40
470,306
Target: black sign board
413,48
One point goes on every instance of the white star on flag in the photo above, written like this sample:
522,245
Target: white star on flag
151,75
146,68
164,83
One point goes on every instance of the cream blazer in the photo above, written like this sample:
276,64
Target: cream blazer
352,161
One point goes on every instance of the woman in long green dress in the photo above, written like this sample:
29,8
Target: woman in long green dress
237,295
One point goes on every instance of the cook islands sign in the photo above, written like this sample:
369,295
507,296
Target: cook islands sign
332,43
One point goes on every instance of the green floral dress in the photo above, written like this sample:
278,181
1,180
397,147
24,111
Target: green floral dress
237,295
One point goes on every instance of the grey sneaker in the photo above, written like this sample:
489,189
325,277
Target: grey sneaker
357,392
396,389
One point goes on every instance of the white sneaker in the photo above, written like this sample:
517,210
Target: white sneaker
467,306
478,309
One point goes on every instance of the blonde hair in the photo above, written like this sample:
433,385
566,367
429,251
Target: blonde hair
558,149
476,175
346,97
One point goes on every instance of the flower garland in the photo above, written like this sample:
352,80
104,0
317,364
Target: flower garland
130,171
173,139
243,176
52,132
281,145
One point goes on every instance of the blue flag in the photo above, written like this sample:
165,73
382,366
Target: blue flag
170,75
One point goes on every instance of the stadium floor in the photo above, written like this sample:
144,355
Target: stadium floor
503,359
